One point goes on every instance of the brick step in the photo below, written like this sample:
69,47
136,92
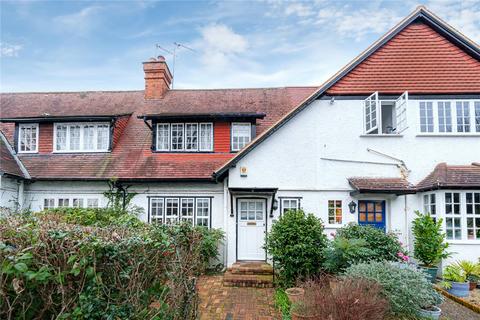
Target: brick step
251,268
247,280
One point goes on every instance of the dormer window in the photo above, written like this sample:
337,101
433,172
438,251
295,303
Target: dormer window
28,138
185,137
385,116
81,137
241,135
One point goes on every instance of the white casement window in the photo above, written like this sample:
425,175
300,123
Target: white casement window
453,216
77,202
241,135
48,203
157,210
385,116
188,137
290,204
191,136
81,137
430,205
203,212
163,137
335,213
371,112
473,215
477,116
187,209
206,137
450,117
463,116
92,203
63,202
28,138
444,116
176,130
426,116
171,210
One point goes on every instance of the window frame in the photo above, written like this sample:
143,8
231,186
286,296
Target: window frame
233,124
196,200
170,125
19,138
335,216
82,126
473,104
289,199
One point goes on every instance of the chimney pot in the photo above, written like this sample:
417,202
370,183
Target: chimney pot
157,78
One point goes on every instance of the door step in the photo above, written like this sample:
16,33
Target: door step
249,274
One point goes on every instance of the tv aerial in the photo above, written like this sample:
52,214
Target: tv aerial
173,52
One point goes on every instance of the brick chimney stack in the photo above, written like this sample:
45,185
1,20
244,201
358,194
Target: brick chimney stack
157,78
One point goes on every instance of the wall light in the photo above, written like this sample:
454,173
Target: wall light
352,206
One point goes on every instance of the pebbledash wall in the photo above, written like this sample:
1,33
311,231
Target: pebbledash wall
298,159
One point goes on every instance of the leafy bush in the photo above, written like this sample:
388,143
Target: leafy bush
406,288
296,243
453,273
429,244
354,244
347,299
100,217
51,268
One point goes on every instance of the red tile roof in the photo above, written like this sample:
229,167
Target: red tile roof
8,164
448,176
131,157
381,185
418,60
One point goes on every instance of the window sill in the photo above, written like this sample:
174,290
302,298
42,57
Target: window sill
79,152
26,152
393,135
472,242
448,135
333,226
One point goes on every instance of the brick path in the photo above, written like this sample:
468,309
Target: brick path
232,303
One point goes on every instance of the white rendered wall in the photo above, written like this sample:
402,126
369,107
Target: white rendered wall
9,189
291,160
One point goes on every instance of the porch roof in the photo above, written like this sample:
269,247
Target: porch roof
381,185
452,177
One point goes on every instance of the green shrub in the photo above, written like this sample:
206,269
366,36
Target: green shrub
296,243
406,288
282,303
429,245
355,243
54,269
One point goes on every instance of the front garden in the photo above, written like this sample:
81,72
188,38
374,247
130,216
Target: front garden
74,263
363,273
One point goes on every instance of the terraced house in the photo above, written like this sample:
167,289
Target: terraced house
396,130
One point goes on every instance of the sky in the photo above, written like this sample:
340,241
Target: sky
83,45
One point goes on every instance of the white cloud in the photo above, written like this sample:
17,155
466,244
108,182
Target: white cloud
220,43
464,16
81,22
298,9
9,50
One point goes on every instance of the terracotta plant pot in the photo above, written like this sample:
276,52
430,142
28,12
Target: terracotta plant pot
296,316
295,295
473,285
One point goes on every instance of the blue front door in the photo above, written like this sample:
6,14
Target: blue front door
372,213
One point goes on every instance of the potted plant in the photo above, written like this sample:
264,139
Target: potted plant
471,270
455,281
295,294
429,244
303,311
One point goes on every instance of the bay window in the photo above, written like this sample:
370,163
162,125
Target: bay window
81,137
28,138
430,205
187,137
241,135
452,215
473,215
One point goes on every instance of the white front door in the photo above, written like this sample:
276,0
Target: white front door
251,226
